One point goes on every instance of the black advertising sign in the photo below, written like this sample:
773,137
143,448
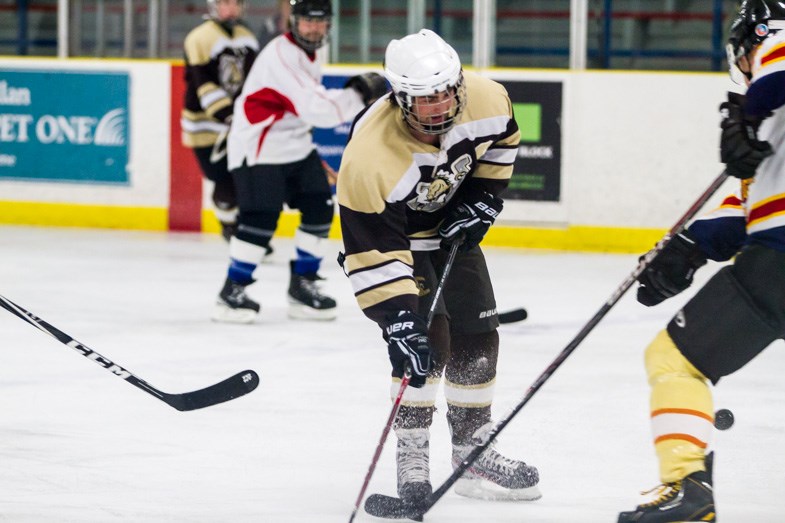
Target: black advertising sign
537,107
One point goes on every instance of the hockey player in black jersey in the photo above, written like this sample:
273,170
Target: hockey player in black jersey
218,55
741,310
424,166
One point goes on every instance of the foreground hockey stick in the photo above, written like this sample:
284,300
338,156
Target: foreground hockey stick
394,508
234,387
404,382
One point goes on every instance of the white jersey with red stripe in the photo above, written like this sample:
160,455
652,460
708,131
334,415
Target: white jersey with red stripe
755,213
282,99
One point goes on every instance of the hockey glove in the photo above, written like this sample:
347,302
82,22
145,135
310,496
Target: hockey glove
371,86
671,271
473,219
740,149
407,343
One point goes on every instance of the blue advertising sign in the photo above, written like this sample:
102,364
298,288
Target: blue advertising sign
64,126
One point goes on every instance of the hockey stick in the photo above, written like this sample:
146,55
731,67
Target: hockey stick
396,509
238,385
404,382
513,316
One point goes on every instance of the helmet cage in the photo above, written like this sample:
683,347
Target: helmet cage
418,108
310,10
425,72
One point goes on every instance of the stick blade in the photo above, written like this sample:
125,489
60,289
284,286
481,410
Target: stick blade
238,385
389,507
513,316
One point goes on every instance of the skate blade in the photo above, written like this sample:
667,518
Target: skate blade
225,314
298,311
478,488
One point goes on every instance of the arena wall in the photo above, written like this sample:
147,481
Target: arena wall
637,148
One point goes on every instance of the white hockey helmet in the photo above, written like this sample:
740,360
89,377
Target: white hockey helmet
422,69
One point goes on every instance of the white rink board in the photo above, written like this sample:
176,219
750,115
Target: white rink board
638,147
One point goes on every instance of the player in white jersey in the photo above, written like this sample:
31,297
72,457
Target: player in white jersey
274,161
424,166
741,310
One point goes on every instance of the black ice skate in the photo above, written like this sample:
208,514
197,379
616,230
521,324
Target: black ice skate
688,500
414,483
493,476
233,305
306,302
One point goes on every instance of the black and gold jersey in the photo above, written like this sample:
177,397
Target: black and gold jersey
393,190
217,60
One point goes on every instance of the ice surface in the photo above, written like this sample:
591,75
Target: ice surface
78,444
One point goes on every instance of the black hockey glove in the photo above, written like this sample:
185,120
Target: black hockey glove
407,343
740,149
371,86
671,271
472,218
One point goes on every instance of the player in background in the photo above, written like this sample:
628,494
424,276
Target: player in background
276,24
274,161
425,166
218,55
741,309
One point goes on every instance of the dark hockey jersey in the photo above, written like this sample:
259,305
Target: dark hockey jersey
393,190
755,213
217,61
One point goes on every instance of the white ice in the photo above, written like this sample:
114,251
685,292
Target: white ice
78,444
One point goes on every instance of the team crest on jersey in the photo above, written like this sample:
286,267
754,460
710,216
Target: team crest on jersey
421,288
231,73
433,195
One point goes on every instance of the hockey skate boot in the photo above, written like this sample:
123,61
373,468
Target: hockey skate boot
688,500
233,305
306,302
414,483
493,476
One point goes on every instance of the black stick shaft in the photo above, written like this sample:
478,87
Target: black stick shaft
564,354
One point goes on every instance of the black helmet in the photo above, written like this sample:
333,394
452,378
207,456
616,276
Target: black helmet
313,9
751,26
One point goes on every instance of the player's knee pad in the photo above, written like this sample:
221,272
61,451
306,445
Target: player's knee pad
473,358
663,358
317,209
256,227
721,329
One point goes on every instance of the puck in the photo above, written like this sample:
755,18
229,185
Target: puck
723,419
